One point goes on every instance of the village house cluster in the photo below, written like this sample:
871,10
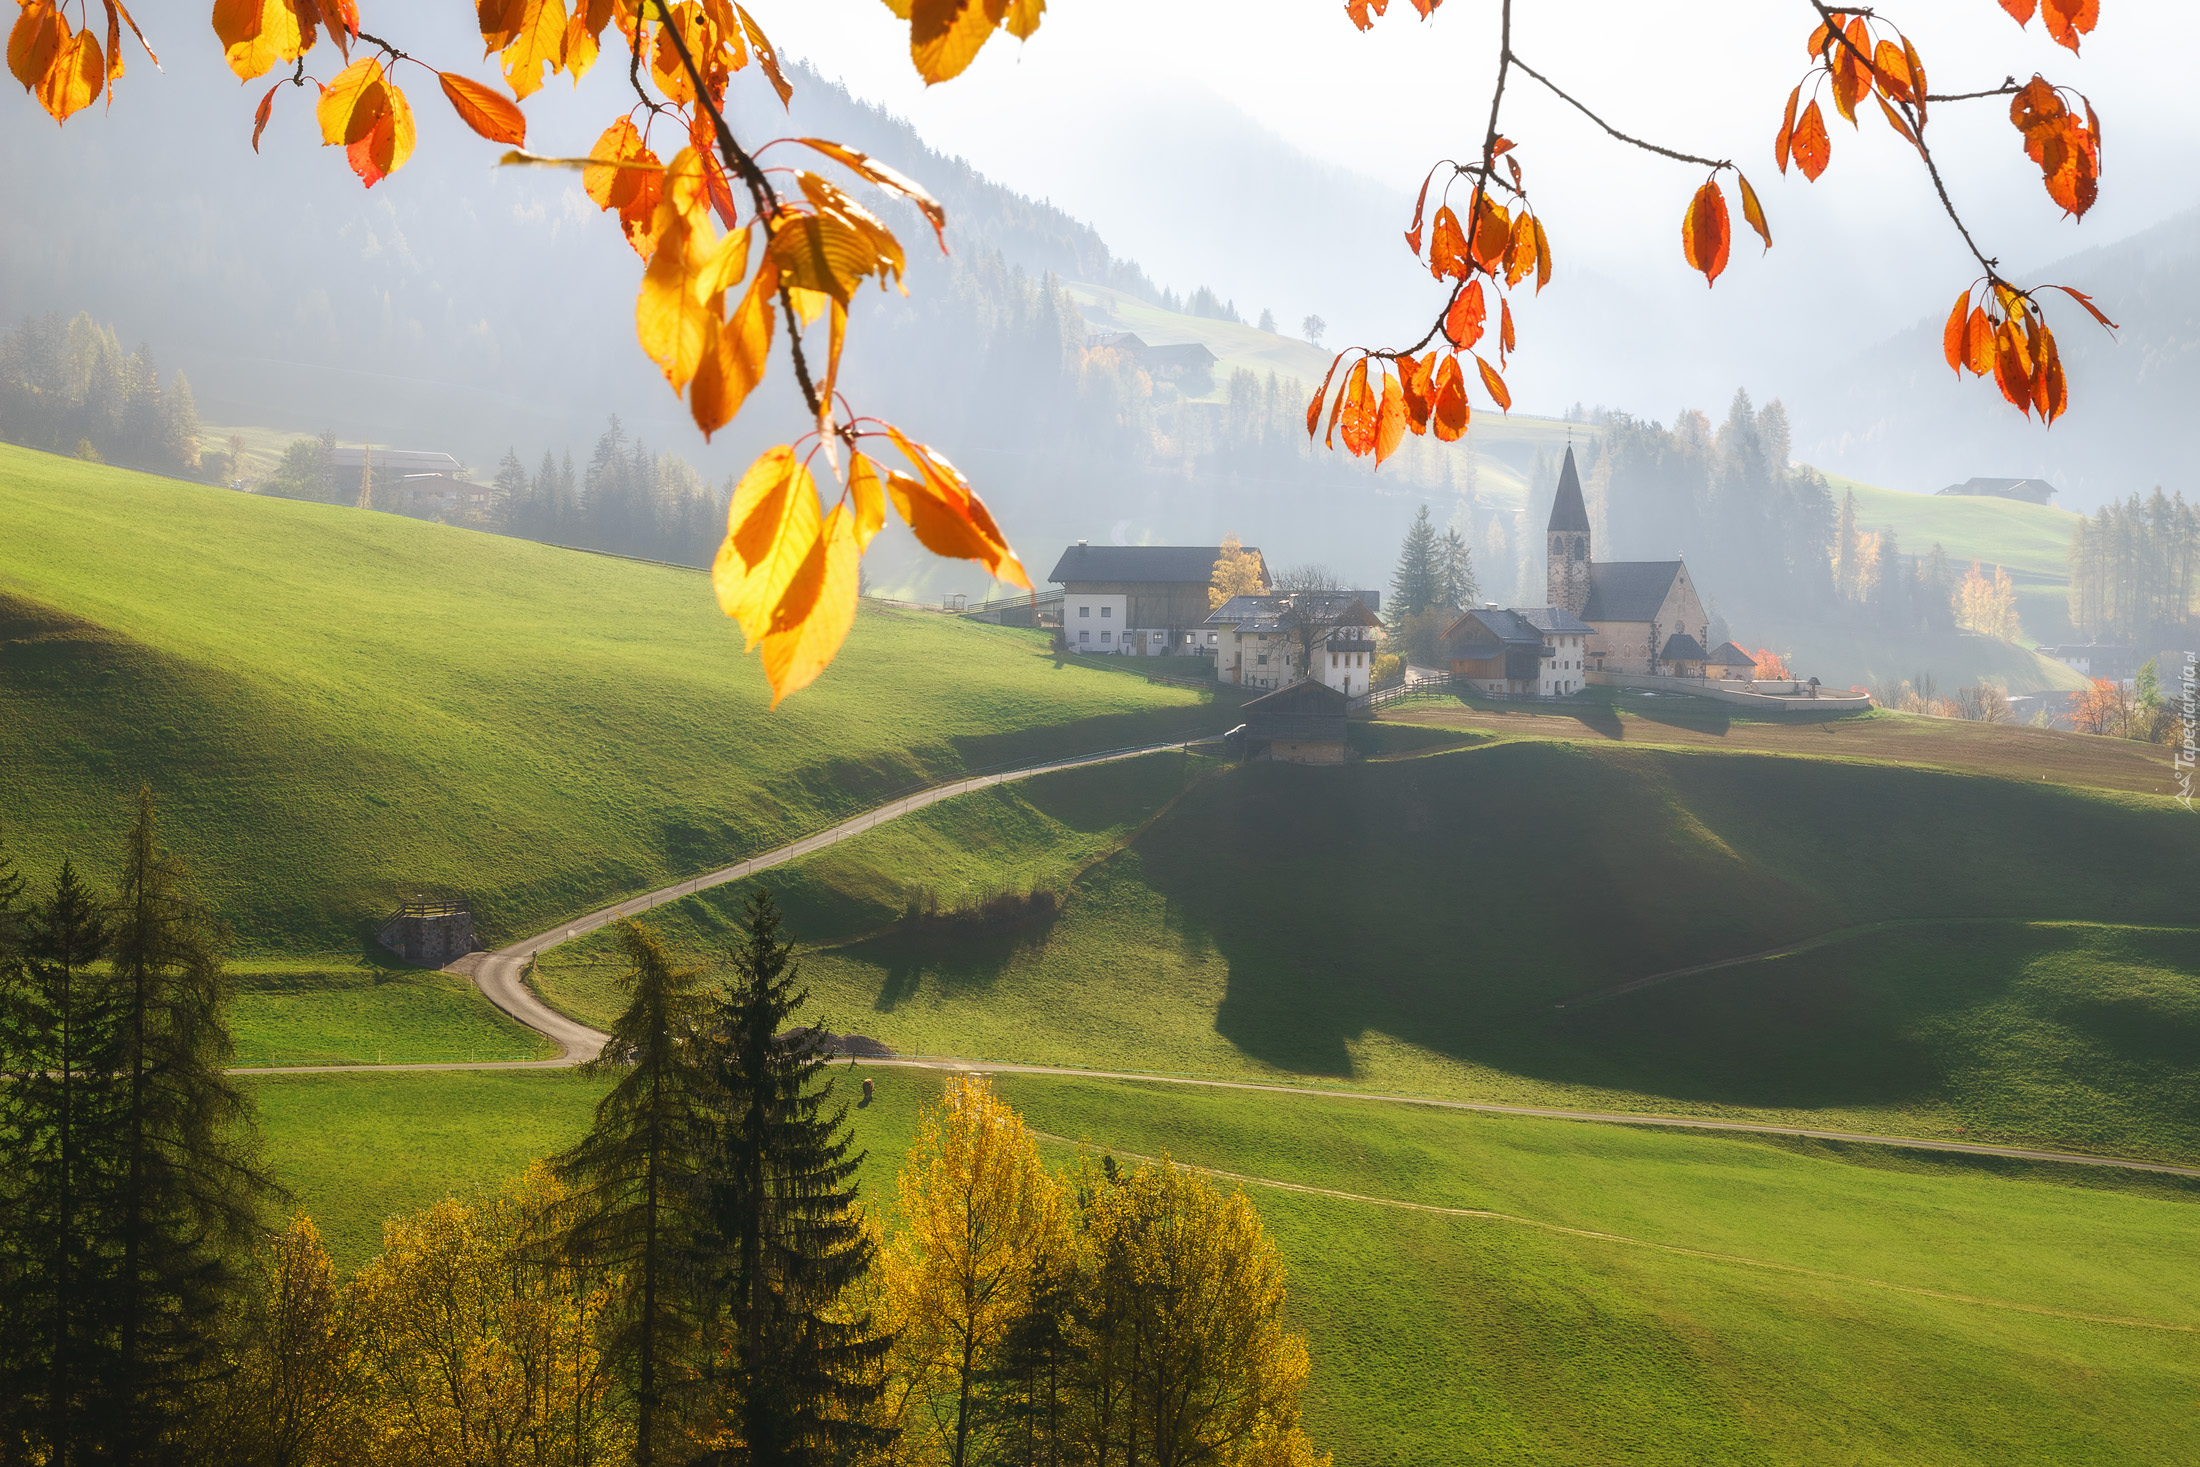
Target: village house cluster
1631,624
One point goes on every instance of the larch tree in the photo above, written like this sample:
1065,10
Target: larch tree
985,1231
742,254
188,1185
796,1372
635,1206
1237,572
59,1018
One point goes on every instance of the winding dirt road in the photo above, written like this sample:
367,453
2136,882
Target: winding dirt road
498,975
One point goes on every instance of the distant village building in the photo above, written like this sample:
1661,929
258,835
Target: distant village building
1303,723
1729,660
1189,364
1536,653
1139,600
2096,659
1645,614
2030,491
407,480
1259,636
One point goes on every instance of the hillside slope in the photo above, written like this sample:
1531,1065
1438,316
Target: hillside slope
338,707
1434,924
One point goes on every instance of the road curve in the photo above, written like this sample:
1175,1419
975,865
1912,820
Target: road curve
499,974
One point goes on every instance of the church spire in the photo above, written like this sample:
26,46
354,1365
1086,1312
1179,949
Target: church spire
1567,510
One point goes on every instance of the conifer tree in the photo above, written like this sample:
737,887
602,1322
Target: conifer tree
1415,584
634,1208
1455,586
796,1369
187,1184
57,1029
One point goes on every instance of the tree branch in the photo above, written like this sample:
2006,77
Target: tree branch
761,193
1647,147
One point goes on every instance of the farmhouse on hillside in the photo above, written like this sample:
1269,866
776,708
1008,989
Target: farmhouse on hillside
1303,723
1535,653
1139,600
1261,639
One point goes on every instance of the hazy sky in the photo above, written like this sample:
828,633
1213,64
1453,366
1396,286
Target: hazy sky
1862,252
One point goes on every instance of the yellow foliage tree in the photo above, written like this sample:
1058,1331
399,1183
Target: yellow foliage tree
1179,1327
1237,573
470,1354
294,1397
985,1221
1988,606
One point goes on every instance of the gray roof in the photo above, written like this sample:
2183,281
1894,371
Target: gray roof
1485,632
1729,655
1554,621
1628,590
1159,563
1242,609
2036,491
1305,696
1567,510
404,461
1681,647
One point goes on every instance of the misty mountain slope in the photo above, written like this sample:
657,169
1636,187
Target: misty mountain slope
1898,416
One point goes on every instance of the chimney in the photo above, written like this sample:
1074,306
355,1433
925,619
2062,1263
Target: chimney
1080,542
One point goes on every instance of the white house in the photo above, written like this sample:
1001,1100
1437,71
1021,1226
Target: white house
1539,652
1258,640
1093,622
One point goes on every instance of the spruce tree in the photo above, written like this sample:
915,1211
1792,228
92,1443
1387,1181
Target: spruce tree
1414,584
1455,587
58,1027
188,1187
796,1370
635,1209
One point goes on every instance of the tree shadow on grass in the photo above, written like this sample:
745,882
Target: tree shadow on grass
964,952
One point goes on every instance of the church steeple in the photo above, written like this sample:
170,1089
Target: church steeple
1566,543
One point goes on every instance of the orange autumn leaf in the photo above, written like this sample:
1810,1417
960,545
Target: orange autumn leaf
2020,10
1463,322
365,114
1314,408
735,354
483,110
1752,210
1813,149
1891,71
535,42
892,180
2067,20
73,80
1420,202
1492,233
1782,139
1447,247
1390,420
34,42
1542,255
260,116
1978,343
1520,251
627,177
1952,334
1359,402
947,517
1494,384
1706,233
1505,343
1449,410
1415,382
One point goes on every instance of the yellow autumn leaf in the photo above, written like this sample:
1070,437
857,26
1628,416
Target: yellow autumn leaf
869,498
945,35
735,358
770,527
538,43
257,34
803,641
672,319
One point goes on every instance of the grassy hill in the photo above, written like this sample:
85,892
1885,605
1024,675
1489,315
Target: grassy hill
1639,1296
1432,924
338,707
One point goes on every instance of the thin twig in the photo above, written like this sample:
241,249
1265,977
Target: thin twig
1647,147
2008,88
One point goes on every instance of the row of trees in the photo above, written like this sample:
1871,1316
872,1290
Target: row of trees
69,387
696,1280
2135,572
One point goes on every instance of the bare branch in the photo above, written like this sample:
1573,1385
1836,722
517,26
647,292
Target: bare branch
1647,147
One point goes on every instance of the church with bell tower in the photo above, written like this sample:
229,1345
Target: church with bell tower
1646,614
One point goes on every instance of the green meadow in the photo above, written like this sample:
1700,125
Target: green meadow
1641,1296
1381,925
337,1011
339,707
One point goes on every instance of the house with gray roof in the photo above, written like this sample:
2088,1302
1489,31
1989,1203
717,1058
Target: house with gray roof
1638,608
1303,723
2028,491
1536,652
1139,600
